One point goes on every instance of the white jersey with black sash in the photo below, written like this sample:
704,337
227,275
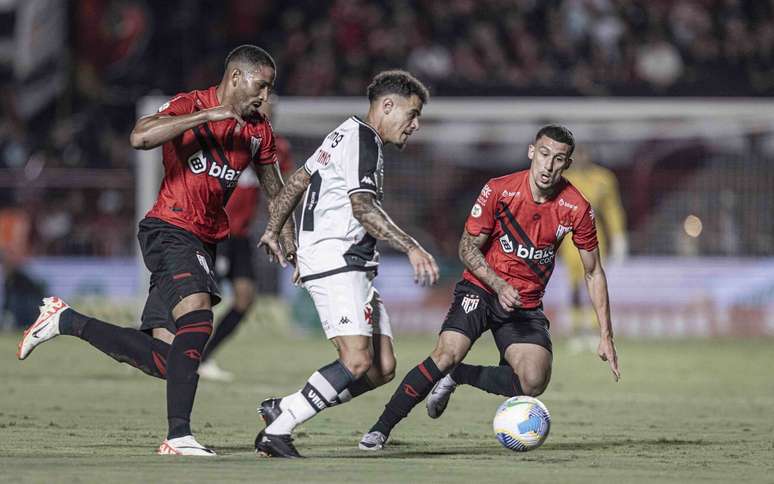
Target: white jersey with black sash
331,240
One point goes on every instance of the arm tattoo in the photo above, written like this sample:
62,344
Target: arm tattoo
378,223
471,255
283,199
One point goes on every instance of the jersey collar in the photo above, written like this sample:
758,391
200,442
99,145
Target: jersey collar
360,121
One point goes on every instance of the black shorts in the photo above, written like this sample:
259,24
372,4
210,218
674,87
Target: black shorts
238,255
180,265
474,311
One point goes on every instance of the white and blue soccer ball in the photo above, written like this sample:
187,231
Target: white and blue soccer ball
522,423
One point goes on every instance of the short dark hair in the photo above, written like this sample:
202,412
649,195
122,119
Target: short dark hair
559,133
250,54
397,82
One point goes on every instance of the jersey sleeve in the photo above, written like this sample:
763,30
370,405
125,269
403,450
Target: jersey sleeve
584,233
265,153
362,160
481,219
180,104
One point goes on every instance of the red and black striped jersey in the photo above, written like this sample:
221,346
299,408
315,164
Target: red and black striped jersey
524,235
202,166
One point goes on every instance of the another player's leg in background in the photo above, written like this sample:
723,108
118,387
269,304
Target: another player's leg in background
362,365
451,349
244,296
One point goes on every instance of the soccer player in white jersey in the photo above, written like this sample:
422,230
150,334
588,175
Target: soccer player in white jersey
341,222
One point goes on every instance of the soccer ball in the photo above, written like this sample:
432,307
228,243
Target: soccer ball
521,423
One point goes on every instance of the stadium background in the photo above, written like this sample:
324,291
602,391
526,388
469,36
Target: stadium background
673,96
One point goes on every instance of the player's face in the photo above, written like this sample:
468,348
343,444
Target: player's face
252,89
549,160
401,119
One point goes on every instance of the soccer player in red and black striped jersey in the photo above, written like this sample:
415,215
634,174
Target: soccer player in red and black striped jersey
508,248
208,138
237,251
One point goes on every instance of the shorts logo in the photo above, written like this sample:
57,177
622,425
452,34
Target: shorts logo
469,303
506,244
476,211
344,320
369,314
366,180
203,262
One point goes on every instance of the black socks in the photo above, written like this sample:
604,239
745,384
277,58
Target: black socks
499,380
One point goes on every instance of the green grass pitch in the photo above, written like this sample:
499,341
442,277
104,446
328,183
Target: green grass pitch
695,411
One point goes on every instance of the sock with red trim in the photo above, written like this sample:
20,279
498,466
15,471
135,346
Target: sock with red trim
499,380
413,389
193,331
125,345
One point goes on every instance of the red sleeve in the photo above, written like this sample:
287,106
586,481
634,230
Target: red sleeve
482,216
180,104
283,153
266,152
584,232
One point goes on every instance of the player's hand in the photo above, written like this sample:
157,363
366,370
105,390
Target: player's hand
225,111
426,270
606,351
270,243
508,297
288,242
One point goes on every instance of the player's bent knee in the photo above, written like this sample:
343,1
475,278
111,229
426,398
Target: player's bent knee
358,363
533,383
446,358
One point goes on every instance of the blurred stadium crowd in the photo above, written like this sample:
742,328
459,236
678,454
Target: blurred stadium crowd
66,169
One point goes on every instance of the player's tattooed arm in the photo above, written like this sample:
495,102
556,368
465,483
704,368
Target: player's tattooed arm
152,131
470,254
281,205
271,180
377,223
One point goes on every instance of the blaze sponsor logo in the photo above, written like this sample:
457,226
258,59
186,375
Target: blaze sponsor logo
469,303
508,194
562,230
198,164
476,210
542,256
562,203
506,244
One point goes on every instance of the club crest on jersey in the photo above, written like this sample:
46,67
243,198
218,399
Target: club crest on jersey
203,262
561,231
506,244
255,145
469,303
198,163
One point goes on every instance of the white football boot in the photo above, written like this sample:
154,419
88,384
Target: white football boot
439,396
372,441
44,328
209,370
186,445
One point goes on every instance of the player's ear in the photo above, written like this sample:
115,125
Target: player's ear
531,151
236,73
387,105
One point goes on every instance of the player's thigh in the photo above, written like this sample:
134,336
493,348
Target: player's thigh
465,322
343,302
450,349
355,352
193,302
532,363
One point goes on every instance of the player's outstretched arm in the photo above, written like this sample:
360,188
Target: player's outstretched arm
596,283
471,255
152,131
282,201
377,223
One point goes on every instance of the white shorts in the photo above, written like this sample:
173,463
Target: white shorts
349,305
